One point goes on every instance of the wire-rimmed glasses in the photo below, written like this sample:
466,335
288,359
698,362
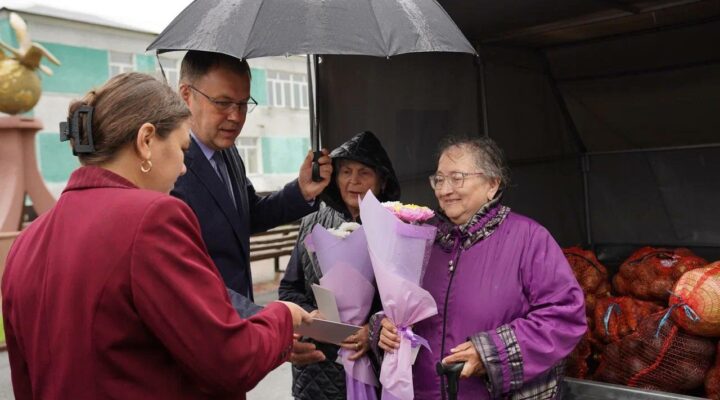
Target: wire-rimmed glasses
455,179
227,105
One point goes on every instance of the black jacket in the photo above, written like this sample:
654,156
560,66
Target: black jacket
326,380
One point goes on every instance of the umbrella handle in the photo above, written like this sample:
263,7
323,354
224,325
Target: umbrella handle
316,166
452,374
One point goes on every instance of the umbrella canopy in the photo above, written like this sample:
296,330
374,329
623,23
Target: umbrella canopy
259,28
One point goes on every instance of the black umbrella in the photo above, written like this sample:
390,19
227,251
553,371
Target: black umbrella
259,28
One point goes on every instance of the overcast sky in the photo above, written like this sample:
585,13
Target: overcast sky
151,15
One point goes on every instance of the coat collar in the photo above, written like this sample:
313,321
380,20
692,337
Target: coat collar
89,177
479,227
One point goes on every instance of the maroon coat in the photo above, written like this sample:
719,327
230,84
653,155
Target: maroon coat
111,294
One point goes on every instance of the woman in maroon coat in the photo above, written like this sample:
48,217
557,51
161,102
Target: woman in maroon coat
111,294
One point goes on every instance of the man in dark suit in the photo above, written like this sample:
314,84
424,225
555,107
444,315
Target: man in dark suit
216,88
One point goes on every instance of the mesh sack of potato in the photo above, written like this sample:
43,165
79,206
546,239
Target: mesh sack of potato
712,379
590,274
658,356
650,273
695,301
617,317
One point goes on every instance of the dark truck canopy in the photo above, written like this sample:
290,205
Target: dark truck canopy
608,111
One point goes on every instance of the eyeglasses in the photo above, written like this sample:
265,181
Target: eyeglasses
455,179
229,106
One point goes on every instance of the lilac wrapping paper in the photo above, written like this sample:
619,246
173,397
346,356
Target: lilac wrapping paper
347,272
399,254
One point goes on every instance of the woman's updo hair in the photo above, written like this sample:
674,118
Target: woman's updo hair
489,158
120,107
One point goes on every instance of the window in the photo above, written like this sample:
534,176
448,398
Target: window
172,70
250,154
121,62
286,89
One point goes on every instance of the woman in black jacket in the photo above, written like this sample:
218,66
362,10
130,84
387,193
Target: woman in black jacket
359,165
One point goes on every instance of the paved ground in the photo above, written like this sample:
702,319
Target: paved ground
5,383
276,386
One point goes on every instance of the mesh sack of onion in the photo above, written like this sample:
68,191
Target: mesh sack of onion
650,273
658,356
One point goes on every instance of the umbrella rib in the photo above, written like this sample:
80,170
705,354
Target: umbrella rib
252,29
457,29
384,41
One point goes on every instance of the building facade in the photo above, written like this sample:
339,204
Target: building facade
273,142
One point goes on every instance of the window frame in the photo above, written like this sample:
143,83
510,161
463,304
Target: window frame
173,81
122,66
243,150
282,87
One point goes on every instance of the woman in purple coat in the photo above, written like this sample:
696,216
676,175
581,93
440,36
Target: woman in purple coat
509,306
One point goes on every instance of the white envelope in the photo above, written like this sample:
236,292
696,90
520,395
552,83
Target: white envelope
327,331
327,305
330,329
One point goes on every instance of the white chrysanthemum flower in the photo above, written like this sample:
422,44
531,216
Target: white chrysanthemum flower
345,229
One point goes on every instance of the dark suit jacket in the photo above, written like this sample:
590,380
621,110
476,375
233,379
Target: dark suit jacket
226,229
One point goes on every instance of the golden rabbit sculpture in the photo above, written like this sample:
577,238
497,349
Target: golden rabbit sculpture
20,85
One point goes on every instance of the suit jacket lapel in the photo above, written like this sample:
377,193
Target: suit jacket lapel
237,175
200,166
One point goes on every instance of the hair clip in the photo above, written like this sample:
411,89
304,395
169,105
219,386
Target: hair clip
71,129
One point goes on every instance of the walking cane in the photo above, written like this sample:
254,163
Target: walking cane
451,373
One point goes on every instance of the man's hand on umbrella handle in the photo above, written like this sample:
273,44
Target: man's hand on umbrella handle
389,339
309,188
316,166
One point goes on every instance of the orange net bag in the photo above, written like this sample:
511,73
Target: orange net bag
650,273
590,274
699,290
712,379
577,362
617,317
658,356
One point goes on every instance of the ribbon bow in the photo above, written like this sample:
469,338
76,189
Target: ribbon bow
415,340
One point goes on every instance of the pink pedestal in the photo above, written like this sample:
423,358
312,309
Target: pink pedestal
19,173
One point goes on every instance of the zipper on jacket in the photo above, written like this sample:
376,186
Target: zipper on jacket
452,266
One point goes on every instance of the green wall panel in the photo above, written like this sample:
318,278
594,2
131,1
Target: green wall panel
7,35
56,158
258,86
82,69
145,63
283,155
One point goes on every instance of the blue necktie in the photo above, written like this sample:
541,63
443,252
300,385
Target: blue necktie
224,175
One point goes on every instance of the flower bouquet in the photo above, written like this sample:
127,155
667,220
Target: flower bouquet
346,270
399,247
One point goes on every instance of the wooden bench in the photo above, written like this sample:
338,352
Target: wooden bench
275,243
